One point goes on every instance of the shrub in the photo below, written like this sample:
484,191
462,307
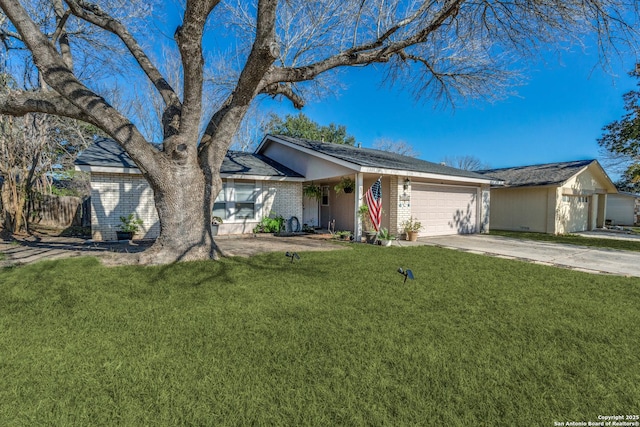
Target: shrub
270,224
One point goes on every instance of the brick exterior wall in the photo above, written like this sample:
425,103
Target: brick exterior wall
114,195
393,200
401,205
284,199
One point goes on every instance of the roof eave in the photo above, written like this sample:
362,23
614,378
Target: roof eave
136,171
261,177
425,175
108,169
545,185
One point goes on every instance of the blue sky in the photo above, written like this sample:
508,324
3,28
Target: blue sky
557,115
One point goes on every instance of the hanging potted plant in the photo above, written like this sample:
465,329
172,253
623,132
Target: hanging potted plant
312,191
129,226
411,228
345,185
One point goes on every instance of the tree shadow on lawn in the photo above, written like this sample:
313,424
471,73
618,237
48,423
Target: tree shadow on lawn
268,268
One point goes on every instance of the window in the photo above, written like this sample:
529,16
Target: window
245,198
220,205
577,199
325,195
236,201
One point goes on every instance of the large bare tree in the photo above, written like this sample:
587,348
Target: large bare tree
289,48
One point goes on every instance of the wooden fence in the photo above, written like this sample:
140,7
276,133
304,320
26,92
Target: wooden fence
61,211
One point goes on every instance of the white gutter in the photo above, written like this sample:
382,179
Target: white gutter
262,177
108,169
136,171
414,174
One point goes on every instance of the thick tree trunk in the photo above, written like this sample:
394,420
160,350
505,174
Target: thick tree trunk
184,211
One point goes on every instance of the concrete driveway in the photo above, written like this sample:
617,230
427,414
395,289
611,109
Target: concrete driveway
581,258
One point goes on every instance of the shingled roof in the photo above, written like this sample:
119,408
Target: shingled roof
537,175
368,157
105,152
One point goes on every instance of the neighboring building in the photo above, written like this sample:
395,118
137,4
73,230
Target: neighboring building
554,198
446,200
623,209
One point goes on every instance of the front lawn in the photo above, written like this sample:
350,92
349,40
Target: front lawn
572,239
335,338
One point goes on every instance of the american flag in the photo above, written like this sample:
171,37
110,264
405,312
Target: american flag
373,196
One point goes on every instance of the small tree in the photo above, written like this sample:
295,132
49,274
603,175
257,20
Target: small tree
30,146
621,140
301,126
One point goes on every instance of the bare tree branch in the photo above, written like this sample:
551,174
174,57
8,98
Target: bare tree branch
19,103
373,52
285,89
262,56
189,39
93,14
59,77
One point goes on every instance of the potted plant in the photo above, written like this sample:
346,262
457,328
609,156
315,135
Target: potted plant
385,238
129,226
411,227
368,233
215,224
312,191
345,185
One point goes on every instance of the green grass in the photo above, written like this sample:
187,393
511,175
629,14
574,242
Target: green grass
572,239
332,339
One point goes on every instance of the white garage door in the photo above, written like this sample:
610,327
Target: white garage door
620,209
445,210
577,213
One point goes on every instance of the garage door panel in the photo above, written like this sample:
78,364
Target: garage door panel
576,213
445,210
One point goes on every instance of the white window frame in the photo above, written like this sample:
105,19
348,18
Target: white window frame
225,197
230,195
328,192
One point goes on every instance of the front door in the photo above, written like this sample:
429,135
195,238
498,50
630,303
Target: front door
325,208
310,212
